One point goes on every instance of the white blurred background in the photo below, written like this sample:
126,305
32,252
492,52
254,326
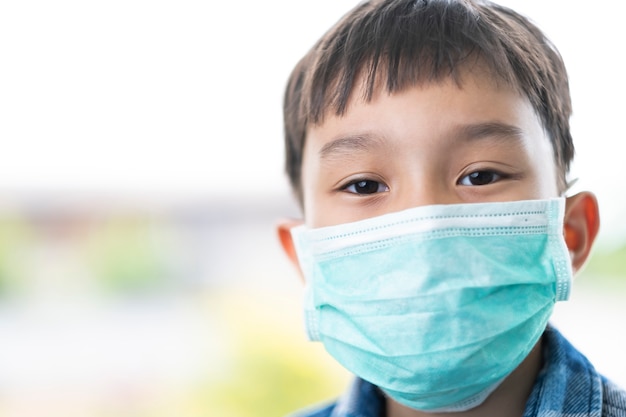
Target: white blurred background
140,177
185,97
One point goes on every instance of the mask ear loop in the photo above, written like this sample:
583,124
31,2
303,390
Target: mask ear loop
566,231
568,187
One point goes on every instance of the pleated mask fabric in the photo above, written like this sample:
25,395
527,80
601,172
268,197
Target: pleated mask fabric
436,305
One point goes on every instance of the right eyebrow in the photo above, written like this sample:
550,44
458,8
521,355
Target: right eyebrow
348,145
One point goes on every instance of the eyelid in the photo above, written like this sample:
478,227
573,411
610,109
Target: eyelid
500,173
357,177
344,185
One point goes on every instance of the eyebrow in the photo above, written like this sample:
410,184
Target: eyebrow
489,130
347,145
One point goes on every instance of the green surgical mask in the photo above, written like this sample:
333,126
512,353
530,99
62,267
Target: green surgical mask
436,305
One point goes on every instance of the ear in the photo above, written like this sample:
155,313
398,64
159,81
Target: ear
286,241
582,221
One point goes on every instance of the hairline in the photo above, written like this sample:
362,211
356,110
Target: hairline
326,79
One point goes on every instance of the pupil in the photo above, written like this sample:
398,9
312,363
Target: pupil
366,187
481,177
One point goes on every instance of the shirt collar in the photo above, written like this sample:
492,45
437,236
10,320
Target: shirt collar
567,385
362,399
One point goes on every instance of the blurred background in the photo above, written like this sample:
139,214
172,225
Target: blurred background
140,182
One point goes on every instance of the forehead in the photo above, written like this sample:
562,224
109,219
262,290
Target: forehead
474,92
430,119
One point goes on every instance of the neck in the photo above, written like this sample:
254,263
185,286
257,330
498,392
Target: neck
508,400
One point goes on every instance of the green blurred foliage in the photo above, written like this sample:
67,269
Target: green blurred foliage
128,256
118,254
16,239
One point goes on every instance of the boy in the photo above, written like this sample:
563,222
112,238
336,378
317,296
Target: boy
428,144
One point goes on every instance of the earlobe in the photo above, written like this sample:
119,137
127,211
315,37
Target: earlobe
286,241
582,222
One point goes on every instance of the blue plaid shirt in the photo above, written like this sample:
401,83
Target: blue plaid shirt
567,386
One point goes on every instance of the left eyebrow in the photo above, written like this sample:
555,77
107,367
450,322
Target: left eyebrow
489,130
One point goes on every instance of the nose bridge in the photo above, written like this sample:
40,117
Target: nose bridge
423,172
417,196
421,188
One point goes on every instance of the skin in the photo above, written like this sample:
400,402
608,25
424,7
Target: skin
438,143
414,146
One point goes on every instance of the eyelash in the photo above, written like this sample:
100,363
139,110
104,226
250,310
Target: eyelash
494,176
364,182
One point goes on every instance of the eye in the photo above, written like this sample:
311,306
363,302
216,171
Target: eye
365,187
481,178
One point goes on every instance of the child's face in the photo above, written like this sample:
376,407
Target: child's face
434,144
